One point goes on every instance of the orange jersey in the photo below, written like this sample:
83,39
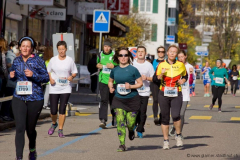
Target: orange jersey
172,74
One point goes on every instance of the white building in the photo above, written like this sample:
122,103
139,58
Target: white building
155,10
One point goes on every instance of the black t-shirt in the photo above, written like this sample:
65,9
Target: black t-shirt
234,73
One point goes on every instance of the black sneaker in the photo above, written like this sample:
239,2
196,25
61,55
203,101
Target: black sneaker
131,135
121,148
211,107
32,155
156,121
103,124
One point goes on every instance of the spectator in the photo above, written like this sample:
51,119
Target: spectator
92,69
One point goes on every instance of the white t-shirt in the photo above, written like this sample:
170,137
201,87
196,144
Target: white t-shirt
185,86
60,70
146,69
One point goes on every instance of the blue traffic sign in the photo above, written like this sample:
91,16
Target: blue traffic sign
202,53
170,39
101,21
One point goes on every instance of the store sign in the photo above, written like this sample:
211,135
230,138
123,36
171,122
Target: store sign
182,46
37,2
55,14
88,8
120,7
171,21
89,25
172,3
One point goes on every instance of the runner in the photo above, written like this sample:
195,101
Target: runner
155,84
238,68
126,101
234,74
206,79
105,64
182,57
172,74
61,70
29,71
218,83
146,70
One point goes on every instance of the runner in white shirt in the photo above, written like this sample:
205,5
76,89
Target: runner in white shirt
62,70
182,57
147,71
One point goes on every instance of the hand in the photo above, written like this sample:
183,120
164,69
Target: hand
52,81
99,66
232,75
110,65
111,90
12,74
28,73
144,77
163,70
214,79
181,81
127,86
70,78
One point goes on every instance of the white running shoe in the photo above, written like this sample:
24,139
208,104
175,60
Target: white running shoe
166,145
179,141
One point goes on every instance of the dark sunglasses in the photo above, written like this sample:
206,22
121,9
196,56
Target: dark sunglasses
160,51
123,55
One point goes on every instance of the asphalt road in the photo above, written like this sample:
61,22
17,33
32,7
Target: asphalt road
207,135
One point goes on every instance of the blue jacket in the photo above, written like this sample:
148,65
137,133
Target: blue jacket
40,75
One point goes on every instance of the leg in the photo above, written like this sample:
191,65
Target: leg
182,113
232,85
155,90
235,87
207,88
121,121
215,93
111,95
34,109
104,93
142,115
62,108
131,120
46,96
20,114
219,95
54,98
176,105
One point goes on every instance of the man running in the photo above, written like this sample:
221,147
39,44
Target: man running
206,79
146,70
105,64
155,85
172,74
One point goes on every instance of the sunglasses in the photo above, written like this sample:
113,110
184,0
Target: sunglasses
160,51
123,55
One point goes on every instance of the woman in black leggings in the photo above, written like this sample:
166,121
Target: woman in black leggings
234,74
29,71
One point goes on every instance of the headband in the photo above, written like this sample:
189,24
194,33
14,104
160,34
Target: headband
219,61
28,38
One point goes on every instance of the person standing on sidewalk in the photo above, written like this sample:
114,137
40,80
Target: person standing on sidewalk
30,72
155,84
61,70
206,79
126,101
105,64
146,70
234,74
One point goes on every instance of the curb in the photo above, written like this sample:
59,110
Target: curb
7,125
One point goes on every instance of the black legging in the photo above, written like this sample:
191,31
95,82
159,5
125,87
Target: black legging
54,99
217,94
142,114
26,115
234,88
155,90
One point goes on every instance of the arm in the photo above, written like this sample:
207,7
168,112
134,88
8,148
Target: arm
151,74
184,77
74,71
99,65
110,85
210,73
42,75
137,85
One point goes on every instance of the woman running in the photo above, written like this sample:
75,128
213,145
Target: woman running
62,70
218,83
234,74
206,79
126,101
29,71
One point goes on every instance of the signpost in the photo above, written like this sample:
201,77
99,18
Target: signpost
171,21
201,48
170,39
202,53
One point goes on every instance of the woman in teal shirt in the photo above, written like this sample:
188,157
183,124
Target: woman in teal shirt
219,79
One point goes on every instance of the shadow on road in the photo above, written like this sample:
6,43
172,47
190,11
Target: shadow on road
43,122
80,134
153,136
143,148
190,146
230,122
197,137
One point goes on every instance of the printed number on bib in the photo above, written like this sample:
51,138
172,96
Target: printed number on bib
106,70
62,81
219,80
142,89
170,92
206,76
24,88
235,78
122,90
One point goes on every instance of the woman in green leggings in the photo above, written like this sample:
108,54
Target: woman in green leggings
126,101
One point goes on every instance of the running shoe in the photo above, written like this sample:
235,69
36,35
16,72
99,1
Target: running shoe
233,95
60,133
52,128
32,155
179,141
208,95
211,107
121,148
103,124
205,95
219,110
172,131
156,121
190,95
19,158
131,135
193,93
166,145
139,134
135,127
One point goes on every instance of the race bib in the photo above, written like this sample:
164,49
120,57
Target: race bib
219,80
122,90
170,92
206,76
185,85
24,88
235,78
142,89
62,81
106,70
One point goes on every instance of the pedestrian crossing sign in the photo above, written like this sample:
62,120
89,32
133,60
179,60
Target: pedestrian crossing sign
101,21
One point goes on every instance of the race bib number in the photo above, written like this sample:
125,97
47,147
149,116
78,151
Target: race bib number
24,88
142,89
106,70
170,92
219,80
235,78
62,81
185,85
206,76
122,90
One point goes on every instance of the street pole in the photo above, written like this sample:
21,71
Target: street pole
99,47
203,14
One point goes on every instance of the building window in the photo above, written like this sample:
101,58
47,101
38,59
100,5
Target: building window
11,30
145,6
147,32
35,29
